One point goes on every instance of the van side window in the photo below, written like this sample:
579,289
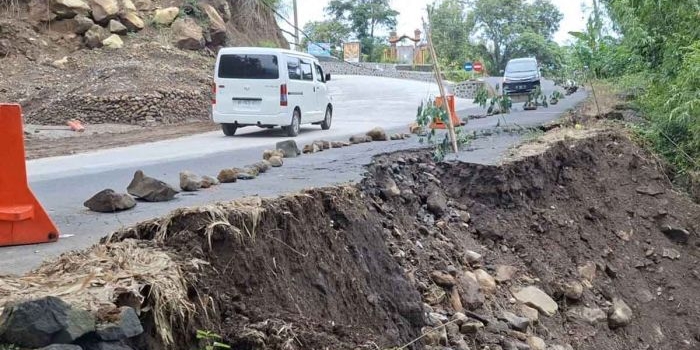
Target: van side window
307,72
293,68
319,73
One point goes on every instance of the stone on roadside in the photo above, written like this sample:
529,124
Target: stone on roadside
355,139
69,8
150,189
132,21
536,343
39,323
187,34
227,176
390,189
166,16
486,282
276,162
337,144
94,36
267,154
324,145
589,315
505,273
532,314
572,290
189,181
377,134
246,174
116,27
516,322
262,166
113,42
437,203
311,148
288,148
82,24
619,314
442,279
108,201
534,297
472,257
124,324
104,10
469,291
216,27
208,181
471,327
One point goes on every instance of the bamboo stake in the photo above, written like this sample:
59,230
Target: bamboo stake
441,86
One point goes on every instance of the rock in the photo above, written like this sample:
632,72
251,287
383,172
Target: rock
125,325
116,27
106,346
390,189
534,297
262,166
676,234
587,271
442,279
531,314
113,42
143,5
276,162
39,323
69,8
337,144
187,34
217,33
471,327
472,257
82,24
104,10
132,21
272,153
415,129
486,282
377,134
166,16
94,36
504,273
469,291
437,203
61,347
670,253
39,11
572,290
227,176
208,181
536,343
311,148
560,347
355,139
516,322
619,315
150,189
60,64
189,181
586,314
246,174
650,190
108,201
395,137
288,148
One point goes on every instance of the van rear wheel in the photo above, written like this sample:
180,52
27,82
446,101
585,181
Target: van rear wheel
293,128
229,129
326,124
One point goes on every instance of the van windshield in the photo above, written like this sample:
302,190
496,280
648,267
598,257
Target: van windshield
240,66
521,66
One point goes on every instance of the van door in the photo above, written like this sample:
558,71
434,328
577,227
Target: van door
296,86
248,84
322,98
307,76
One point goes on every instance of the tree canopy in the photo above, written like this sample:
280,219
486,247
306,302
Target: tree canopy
364,18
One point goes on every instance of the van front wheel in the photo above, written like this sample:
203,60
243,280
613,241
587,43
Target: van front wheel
293,128
229,129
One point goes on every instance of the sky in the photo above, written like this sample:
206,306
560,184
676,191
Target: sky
411,11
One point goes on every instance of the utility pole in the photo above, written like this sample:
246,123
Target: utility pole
296,27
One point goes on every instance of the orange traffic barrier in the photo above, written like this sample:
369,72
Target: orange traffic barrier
22,218
437,123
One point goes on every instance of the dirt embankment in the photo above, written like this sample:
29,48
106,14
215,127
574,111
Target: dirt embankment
587,232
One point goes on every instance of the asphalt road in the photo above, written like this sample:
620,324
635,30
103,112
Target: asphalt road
62,184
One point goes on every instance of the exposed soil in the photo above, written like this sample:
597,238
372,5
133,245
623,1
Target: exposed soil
356,267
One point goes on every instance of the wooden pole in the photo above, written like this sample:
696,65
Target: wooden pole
296,27
441,86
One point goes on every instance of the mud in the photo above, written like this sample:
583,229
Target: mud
356,267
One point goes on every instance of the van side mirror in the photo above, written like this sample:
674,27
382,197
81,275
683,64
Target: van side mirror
328,76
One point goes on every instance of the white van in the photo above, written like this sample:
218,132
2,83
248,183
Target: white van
268,87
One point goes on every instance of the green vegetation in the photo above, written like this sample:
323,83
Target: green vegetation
427,113
211,340
363,19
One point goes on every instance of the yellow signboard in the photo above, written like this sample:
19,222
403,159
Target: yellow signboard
351,52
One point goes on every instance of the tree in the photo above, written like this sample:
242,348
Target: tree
327,31
501,23
451,28
364,18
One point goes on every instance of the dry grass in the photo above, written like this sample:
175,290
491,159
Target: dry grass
605,100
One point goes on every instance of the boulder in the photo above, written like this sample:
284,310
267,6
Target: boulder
208,181
389,188
324,145
573,290
113,42
123,325
377,134
267,154
150,189
69,8
82,24
94,36
246,174
312,148
536,343
437,203
227,176
487,283
262,166
469,293
619,315
104,10
276,162
516,322
532,314
337,144
166,16
39,323
586,314
216,33
108,201
127,6
39,11
288,148
355,139
117,27
187,34
534,297
189,181
132,21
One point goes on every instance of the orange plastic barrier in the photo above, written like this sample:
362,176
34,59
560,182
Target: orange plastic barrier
22,218
437,123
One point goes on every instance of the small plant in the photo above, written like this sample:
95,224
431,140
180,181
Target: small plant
555,97
211,340
482,97
428,113
531,103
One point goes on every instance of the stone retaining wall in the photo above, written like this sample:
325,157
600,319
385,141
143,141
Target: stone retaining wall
466,89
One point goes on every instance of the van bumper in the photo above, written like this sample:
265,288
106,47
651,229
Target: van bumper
252,119
520,87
